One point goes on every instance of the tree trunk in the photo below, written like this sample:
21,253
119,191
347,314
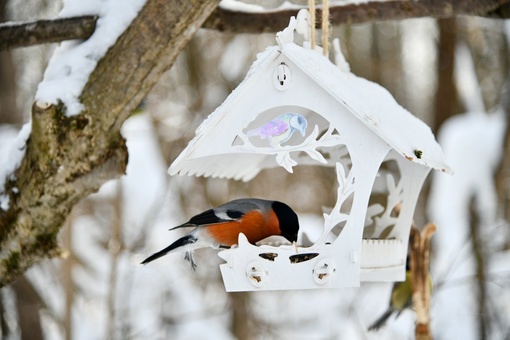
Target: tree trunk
28,304
8,110
67,158
446,92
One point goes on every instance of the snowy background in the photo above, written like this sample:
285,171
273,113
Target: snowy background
101,292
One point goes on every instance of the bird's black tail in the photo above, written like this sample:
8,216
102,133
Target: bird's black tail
381,321
188,239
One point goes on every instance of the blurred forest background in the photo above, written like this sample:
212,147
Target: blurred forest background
436,69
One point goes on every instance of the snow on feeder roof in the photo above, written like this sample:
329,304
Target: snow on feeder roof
295,107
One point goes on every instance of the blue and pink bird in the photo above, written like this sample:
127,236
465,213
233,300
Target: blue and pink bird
280,129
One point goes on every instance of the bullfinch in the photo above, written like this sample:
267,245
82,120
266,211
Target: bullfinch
220,227
401,298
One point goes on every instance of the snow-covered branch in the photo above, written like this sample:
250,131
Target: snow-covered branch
46,31
228,17
253,19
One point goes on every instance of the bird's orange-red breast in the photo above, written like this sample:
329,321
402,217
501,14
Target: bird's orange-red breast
256,218
254,225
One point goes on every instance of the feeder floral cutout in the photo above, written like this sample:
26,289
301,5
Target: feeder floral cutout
346,186
280,130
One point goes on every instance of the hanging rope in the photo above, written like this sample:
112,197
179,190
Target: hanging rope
311,9
325,27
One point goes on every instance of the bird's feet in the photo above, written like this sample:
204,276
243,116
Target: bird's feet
189,257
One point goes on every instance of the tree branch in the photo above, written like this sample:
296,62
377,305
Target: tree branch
67,158
272,21
48,31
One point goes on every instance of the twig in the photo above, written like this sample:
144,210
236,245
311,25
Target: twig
420,255
46,31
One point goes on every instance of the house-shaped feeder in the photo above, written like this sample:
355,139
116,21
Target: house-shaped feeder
296,108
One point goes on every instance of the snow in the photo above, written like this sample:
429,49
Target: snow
473,143
289,5
340,61
73,62
11,23
418,49
466,80
12,150
239,6
239,46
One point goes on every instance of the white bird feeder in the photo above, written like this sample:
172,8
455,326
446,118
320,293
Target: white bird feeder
293,108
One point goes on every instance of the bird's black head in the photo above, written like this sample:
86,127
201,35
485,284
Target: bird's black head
288,220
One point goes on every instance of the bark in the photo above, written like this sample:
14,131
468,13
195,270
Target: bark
481,258
487,44
67,158
270,20
46,31
67,278
419,245
28,305
240,315
115,247
446,103
8,110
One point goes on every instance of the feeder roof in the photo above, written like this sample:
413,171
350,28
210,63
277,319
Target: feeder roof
374,106
369,102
